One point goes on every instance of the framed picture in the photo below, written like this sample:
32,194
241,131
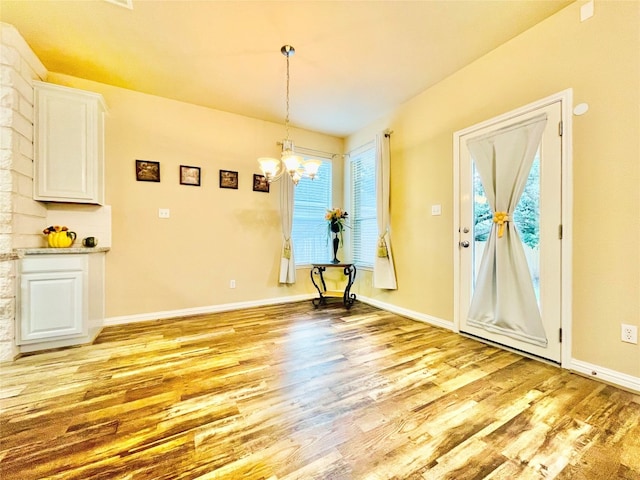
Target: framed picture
228,179
260,183
147,171
189,175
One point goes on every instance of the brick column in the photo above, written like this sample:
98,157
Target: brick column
20,215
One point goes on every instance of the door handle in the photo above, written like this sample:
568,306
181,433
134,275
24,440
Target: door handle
464,244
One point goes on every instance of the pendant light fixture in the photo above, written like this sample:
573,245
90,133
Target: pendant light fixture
290,162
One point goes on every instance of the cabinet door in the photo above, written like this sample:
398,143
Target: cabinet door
69,145
51,305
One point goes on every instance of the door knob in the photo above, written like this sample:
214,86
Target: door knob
464,244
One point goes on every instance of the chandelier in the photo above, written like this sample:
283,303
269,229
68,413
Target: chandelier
289,162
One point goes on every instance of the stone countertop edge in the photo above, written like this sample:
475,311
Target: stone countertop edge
21,252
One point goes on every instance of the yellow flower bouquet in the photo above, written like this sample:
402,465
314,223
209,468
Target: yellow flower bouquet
336,218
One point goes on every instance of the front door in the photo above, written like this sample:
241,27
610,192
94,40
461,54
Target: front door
510,184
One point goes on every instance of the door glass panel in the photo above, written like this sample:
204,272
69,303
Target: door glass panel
526,220
482,221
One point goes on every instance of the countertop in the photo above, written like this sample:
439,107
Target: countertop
21,252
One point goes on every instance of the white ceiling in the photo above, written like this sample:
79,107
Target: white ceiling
355,60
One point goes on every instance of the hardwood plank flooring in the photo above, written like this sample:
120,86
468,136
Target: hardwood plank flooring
289,392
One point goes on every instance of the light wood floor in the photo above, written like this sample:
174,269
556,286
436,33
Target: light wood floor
289,392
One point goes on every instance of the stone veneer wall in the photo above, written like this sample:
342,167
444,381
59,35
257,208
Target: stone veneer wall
21,218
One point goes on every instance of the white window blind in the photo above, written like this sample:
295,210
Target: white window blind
363,217
312,198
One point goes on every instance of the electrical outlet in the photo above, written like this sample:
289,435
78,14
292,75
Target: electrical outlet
232,284
164,213
630,333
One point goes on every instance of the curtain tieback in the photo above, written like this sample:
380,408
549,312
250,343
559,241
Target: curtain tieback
286,252
383,251
500,218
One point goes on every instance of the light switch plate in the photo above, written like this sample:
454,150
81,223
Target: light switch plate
436,210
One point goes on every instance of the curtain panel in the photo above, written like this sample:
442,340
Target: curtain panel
287,261
384,275
504,299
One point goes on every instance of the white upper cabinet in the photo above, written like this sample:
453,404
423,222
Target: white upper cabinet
69,145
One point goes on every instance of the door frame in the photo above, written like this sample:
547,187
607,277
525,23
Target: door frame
565,98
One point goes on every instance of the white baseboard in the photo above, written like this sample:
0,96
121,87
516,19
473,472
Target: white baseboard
628,382
186,312
613,377
226,307
438,322
596,372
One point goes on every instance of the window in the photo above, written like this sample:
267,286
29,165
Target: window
312,198
364,233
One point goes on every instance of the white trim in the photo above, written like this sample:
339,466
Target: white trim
49,344
456,231
566,103
413,315
607,375
596,372
364,146
565,98
508,348
312,153
186,312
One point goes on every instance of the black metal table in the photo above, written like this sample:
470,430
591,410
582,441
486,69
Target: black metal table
317,271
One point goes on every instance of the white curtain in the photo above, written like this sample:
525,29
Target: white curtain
384,275
287,261
504,300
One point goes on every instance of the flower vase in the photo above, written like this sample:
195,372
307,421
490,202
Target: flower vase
335,228
336,242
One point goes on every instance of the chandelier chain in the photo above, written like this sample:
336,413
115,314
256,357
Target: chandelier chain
289,162
286,120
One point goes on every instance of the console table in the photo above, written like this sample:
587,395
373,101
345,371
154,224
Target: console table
317,271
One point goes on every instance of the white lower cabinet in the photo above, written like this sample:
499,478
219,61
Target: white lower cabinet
54,300
53,305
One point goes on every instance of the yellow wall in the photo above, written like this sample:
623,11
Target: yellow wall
214,235
600,60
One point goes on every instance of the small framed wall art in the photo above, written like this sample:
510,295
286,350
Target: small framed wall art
260,183
189,175
228,179
147,171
